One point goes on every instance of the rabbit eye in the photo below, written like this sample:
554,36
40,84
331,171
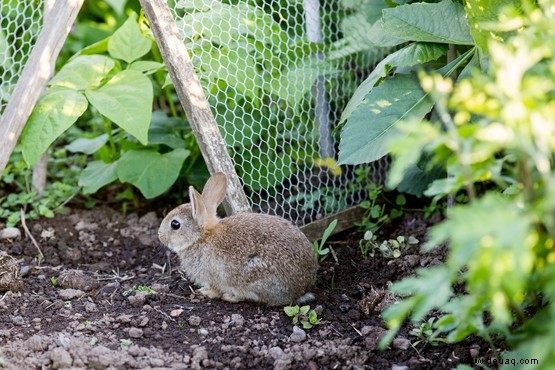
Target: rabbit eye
175,224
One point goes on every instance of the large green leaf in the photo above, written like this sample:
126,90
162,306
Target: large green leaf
372,124
442,22
483,11
126,100
87,145
82,72
151,172
128,43
166,130
54,113
411,55
96,175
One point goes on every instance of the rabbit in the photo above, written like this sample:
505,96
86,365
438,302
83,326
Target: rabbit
243,257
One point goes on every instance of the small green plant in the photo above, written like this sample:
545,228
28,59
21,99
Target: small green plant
68,305
125,343
321,252
304,315
54,280
145,289
392,248
427,333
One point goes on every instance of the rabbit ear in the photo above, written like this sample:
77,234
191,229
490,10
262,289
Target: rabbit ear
214,192
199,209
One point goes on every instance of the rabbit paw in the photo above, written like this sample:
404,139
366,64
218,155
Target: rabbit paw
209,292
230,298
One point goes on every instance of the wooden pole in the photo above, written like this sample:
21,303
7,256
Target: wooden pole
35,75
194,101
40,169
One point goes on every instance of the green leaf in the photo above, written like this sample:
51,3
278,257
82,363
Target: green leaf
82,72
54,113
151,172
128,43
368,129
96,175
430,289
417,53
45,211
146,67
126,100
86,145
442,22
291,310
305,309
328,231
166,130
313,317
484,11
306,324
117,5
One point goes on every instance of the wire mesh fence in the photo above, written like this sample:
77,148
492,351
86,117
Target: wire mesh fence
278,75
20,25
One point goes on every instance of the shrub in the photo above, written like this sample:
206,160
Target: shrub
495,136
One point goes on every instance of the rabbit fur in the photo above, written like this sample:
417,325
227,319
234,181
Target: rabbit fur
244,257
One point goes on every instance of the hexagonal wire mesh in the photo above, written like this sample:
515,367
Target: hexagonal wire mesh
20,25
278,75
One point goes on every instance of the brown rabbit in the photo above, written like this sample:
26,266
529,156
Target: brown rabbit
247,256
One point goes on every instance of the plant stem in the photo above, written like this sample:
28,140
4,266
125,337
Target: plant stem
108,126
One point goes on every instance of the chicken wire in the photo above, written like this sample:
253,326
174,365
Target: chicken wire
278,75
20,25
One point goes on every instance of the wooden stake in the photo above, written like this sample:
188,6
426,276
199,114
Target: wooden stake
35,75
193,100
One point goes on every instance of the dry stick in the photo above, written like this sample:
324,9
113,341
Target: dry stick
34,76
193,100
28,233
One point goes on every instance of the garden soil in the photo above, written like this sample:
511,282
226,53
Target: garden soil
105,297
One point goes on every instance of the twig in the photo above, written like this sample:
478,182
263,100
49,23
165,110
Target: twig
358,331
28,233
333,255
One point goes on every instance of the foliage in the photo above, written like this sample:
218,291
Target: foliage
321,252
263,91
422,33
376,212
145,289
16,180
307,317
109,78
493,133
427,334
391,248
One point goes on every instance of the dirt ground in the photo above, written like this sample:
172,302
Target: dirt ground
105,298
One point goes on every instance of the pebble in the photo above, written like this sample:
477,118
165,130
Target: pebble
18,320
401,343
36,343
10,233
90,307
135,332
298,335
239,320
176,313
399,367
160,288
194,320
60,358
137,299
203,331
69,294
124,319
275,352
